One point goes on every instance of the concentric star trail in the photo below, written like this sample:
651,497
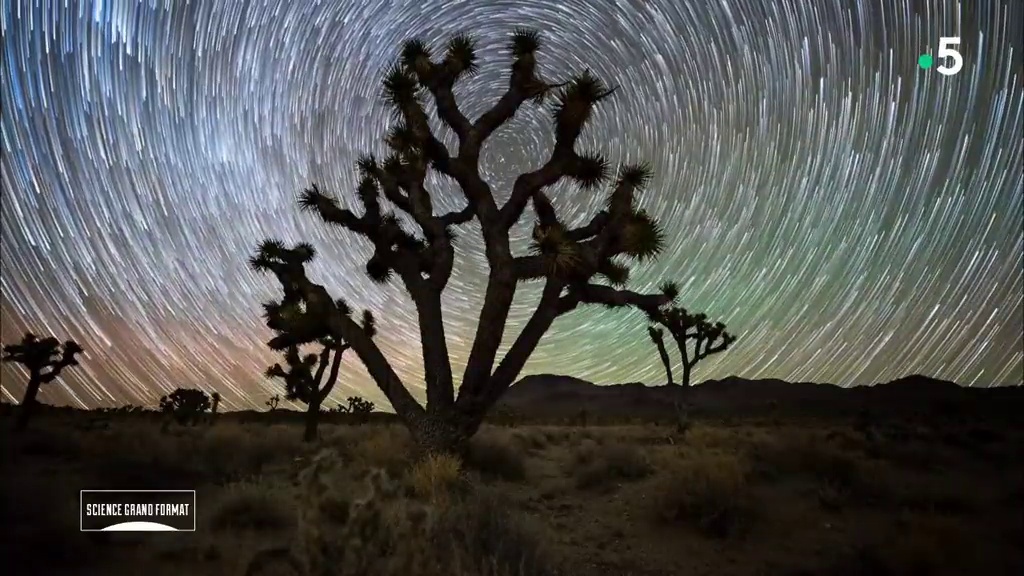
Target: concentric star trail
852,217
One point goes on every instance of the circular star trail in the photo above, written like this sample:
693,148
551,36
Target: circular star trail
852,217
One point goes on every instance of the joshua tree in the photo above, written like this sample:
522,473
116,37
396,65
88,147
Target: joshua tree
695,336
359,408
356,405
568,260
658,337
272,402
44,359
301,382
186,405
216,403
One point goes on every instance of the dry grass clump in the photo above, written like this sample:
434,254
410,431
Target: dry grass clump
253,506
533,440
435,478
481,536
595,466
810,457
708,491
494,455
388,447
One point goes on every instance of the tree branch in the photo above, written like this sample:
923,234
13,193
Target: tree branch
457,217
523,346
322,318
447,108
332,378
433,340
608,296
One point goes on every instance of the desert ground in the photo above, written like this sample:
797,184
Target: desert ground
764,496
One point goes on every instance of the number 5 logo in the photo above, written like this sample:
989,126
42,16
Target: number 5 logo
947,50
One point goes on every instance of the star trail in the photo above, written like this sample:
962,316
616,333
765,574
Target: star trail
851,216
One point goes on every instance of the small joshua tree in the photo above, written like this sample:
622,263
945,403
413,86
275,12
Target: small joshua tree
186,405
658,337
358,407
570,261
696,337
273,402
301,382
44,359
216,403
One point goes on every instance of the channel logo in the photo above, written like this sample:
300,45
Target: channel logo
137,510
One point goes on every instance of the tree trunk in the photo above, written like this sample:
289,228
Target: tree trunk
312,418
443,433
665,360
687,368
28,404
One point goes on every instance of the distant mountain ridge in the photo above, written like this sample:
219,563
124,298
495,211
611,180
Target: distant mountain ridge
550,395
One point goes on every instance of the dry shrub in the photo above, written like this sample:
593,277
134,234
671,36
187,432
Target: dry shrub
704,436
495,456
253,506
808,457
233,451
707,490
387,447
436,477
481,536
594,466
385,533
532,439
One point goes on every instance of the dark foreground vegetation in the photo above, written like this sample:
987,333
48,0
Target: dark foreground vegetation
758,496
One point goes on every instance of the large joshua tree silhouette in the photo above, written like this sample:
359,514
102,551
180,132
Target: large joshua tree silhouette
695,337
44,359
570,261
301,382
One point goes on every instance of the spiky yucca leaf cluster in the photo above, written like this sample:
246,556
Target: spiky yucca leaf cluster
561,255
297,375
627,231
44,358
575,104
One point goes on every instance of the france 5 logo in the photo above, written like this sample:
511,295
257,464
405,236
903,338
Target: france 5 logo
951,59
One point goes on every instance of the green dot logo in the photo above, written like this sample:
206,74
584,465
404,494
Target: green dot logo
925,61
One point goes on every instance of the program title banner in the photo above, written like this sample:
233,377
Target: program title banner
138,510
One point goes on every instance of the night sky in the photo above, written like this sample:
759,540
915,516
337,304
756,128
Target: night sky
851,216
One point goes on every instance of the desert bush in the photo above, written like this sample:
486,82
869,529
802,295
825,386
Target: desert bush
385,533
253,506
436,477
531,439
185,405
495,456
234,451
387,447
487,539
708,491
595,466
